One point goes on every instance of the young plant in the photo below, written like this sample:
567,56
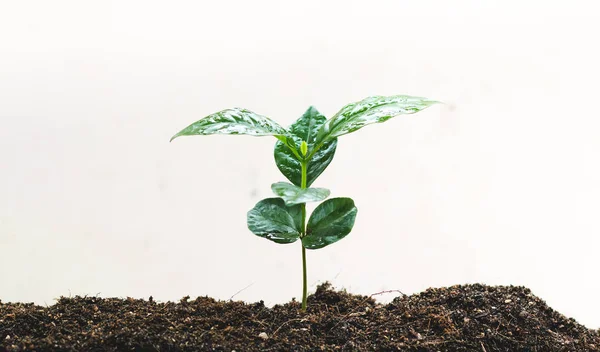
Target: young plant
302,153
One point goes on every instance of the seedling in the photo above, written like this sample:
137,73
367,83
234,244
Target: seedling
302,153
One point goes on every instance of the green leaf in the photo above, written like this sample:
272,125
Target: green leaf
293,194
305,129
234,121
272,219
304,148
371,110
331,221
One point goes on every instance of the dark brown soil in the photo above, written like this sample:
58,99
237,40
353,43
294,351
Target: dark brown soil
459,318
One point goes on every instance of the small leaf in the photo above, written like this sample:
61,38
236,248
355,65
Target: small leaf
293,194
272,219
234,121
305,129
331,221
374,109
304,148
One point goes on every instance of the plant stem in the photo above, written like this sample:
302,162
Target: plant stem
304,281
303,207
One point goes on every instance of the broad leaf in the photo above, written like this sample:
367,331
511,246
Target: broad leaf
292,194
331,221
272,219
371,110
234,121
305,129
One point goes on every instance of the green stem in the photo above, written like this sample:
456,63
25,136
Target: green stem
304,281
303,207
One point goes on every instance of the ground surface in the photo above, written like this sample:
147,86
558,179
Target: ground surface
458,318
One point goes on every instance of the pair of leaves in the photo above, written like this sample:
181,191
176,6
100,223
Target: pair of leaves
331,221
305,129
312,127
350,118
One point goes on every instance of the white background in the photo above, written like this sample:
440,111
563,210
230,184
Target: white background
499,185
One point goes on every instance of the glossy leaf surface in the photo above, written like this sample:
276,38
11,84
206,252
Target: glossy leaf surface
292,194
371,110
305,129
331,221
272,219
234,121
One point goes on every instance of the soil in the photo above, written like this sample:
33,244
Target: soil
459,318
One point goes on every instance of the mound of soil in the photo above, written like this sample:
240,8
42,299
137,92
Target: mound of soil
459,318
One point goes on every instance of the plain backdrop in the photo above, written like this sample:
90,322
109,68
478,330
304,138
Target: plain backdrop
500,185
